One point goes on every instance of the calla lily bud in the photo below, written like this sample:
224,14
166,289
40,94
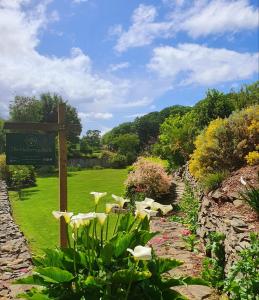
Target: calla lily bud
141,253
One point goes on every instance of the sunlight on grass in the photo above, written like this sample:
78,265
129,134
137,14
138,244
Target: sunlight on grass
33,211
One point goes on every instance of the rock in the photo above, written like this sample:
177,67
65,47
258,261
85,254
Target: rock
238,203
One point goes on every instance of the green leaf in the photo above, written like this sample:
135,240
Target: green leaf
32,279
173,295
126,222
52,258
121,243
162,265
194,281
107,253
125,276
54,275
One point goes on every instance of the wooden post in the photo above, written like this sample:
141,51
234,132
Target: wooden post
62,172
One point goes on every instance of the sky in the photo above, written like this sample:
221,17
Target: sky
115,60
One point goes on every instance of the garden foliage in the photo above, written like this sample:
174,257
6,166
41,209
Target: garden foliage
17,176
102,265
242,282
225,143
147,179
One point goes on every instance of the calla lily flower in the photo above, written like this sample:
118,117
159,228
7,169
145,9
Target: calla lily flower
243,181
82,219
121,201
140,205
110,206
142,213
141,253
97,196
101,217
67,215
166,208
149,201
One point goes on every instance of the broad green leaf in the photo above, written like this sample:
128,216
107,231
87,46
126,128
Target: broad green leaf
32,279
107,253
126,222
51,258
167,264
122,243
54,275
194,280
173,295
125,276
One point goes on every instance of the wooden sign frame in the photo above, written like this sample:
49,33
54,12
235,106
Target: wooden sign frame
61,128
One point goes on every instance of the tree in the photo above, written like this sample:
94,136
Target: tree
25,109
215,105
28,109
91,141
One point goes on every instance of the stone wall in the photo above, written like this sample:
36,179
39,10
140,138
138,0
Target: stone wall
15,260
223,211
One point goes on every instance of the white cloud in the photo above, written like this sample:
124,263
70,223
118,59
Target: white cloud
133,116
202,65
95,116
218,17
116,67
143,29
196,18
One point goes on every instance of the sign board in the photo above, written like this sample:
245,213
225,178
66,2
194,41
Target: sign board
30,149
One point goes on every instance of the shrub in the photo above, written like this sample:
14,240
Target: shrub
3,167
213,181
148,178
242,281
17,176
225,143
21,176
252,158
98,267
118,161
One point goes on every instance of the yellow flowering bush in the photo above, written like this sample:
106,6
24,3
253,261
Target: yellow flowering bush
252,158
226,143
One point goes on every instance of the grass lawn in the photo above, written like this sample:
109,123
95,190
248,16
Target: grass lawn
33,210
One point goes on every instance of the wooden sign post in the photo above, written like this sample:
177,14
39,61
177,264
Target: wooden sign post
61,128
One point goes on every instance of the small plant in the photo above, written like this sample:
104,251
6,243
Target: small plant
242,282
101,265
213,266
252,158
213,181
250,195
189,205
190,239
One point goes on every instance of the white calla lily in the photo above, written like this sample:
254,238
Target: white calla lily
97,196
166,208
110,206
121,201
67,215
149,201
82,219
101,217
141,253
140,205
142,213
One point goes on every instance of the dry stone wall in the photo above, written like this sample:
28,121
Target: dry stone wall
15,260
223,211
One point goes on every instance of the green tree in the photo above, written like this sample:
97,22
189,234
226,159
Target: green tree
90,142
215,105
25,109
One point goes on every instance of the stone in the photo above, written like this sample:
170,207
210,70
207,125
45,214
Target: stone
238,203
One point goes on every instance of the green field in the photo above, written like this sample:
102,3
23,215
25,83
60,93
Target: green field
33,210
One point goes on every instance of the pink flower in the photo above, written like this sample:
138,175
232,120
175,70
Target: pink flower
186,232
24,270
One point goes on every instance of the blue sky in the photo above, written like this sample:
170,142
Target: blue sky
116,59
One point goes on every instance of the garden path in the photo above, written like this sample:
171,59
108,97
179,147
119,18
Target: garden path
15,258
169,244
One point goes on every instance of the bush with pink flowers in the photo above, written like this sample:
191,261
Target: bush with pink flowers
148,179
